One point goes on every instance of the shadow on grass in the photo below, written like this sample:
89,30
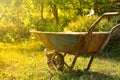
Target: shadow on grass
111,51
81,75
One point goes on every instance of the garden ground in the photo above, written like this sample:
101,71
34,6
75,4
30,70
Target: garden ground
26,61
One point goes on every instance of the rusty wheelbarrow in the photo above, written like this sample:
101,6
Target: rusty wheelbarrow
75,43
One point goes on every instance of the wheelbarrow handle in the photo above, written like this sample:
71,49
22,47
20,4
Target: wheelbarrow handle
87,38
98,20
111,13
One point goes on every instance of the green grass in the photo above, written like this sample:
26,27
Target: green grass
26,61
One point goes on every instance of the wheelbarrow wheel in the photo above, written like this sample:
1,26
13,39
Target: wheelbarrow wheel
57,61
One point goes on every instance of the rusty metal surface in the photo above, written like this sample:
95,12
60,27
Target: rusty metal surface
72,42
96,41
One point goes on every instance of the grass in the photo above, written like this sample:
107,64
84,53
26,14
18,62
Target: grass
26,61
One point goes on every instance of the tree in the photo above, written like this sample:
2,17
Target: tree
42,8
55,12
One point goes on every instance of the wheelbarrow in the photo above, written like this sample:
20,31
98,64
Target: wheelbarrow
75,43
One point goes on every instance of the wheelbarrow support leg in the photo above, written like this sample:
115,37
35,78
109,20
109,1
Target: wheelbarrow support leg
90,62
73,63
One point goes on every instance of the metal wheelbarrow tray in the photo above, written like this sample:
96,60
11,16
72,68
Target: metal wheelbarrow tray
75,43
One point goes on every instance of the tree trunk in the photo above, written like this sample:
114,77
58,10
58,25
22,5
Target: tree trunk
95,7
42,8
18,19
18,26
55,13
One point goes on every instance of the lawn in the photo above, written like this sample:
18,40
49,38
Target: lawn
26,61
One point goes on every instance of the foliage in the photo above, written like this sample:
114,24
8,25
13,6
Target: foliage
103,6
15,20
83,24
25,61
17,17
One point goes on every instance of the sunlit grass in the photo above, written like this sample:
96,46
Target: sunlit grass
20,61
25,61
